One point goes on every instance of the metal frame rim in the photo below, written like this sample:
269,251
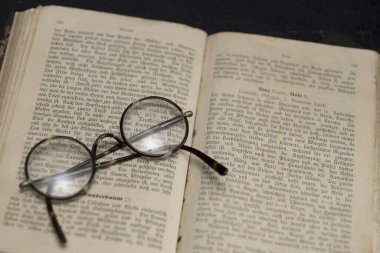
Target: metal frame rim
72,195
147,154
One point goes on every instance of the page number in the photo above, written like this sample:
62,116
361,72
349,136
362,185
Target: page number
60,22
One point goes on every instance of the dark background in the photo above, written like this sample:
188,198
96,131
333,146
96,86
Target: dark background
338,22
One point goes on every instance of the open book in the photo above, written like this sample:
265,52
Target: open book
294,122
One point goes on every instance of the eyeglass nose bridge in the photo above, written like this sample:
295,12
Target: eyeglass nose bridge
108,151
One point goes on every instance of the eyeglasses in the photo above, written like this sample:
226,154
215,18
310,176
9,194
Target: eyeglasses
62,168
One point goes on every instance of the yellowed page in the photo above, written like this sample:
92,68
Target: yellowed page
84,68
295,124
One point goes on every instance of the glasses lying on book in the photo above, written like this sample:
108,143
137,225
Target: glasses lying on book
62,168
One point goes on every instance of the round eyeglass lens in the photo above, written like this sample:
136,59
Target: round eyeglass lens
59,167
154,126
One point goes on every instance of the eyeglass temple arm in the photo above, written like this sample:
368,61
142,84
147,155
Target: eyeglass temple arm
218,167
159,127
83,167
54,221
215,165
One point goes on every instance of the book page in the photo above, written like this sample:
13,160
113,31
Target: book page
295,124
83,70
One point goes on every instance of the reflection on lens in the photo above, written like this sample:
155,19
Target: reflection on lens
59,167
154,126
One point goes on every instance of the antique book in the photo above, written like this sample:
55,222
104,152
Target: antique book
294,122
